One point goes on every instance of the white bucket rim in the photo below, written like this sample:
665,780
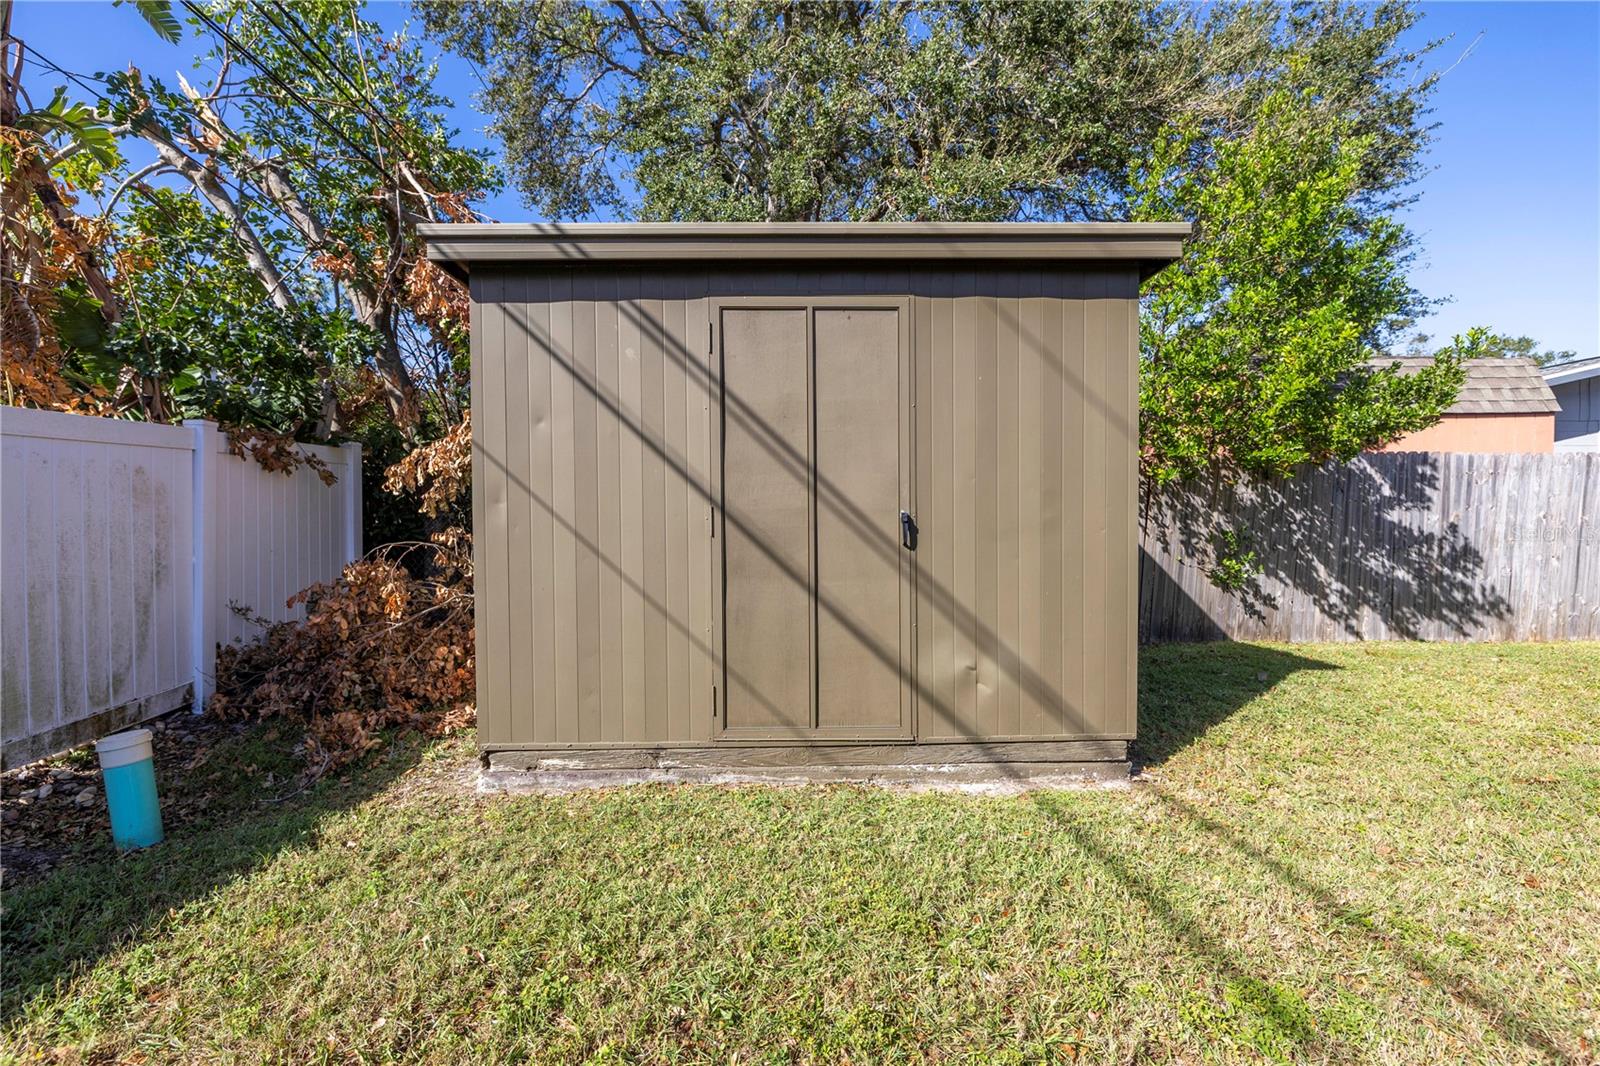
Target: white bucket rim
119,749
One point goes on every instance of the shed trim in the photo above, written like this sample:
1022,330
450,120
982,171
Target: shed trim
456,246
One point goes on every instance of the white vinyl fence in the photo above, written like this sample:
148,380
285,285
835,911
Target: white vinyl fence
122,546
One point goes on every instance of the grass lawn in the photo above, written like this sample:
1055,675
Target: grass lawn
1358,852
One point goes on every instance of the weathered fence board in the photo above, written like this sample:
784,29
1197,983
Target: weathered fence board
1409,545
122,545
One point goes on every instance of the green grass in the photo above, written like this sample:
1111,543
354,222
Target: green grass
1340,853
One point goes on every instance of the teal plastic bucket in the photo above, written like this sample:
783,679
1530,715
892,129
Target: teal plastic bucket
128,765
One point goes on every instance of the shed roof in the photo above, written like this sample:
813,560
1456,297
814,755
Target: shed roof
1495,386
456,246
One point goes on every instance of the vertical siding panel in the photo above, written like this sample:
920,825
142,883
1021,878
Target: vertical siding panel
697,411
1570,474
563,476
145,574
1121,482
518,361
609,502
986,539
632,514
1013,672
492,719
1054,714
543,707
678,510
97,576
249,536
586,501
119,612
965,474
949,671
16,566
1100,410
44,661
223,543
183,563
1075,431
255,537
269,602
68,568
926,512
496,599
1036,696
653,475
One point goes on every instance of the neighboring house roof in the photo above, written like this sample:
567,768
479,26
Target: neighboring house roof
1576,370
1494,386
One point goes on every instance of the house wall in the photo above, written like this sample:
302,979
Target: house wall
1482,433
1577,427
595,400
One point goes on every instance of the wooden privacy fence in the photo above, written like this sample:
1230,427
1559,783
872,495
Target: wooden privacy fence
122,546
1408,545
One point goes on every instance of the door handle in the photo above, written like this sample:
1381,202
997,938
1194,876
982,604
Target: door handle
908,531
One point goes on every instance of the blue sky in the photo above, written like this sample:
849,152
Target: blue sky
1509,216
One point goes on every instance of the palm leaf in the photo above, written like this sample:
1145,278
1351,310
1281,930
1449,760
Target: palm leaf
158,13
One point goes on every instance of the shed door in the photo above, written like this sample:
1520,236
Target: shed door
816,583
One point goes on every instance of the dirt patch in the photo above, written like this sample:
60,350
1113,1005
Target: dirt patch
54,809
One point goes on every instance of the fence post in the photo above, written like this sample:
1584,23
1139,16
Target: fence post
202,619
353,545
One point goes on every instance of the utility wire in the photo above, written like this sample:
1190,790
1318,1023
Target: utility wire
292,27
280,83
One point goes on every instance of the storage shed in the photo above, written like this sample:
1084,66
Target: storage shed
812,499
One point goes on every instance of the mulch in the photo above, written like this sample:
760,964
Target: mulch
54,811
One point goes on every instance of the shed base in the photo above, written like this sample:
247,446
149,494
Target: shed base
991,768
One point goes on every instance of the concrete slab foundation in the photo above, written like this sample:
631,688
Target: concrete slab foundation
990,769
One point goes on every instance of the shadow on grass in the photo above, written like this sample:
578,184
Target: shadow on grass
71,917
1187,689
1184,691
1524,1024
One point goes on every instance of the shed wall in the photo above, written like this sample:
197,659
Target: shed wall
595,398
1482,434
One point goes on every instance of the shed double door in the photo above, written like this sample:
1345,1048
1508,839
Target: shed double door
815,621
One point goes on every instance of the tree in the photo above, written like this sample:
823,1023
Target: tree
912,110
1262,348
1500,346
291,261
1287,135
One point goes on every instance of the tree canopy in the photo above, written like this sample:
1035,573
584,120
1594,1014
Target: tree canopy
1288,134
262,269
1501,346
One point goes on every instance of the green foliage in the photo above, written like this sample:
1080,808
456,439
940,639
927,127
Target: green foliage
1261,346
1234,562
1287,135
917,110
72,121
158,13
201,329
1489,345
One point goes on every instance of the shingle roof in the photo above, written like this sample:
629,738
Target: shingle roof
1494,386
1575,370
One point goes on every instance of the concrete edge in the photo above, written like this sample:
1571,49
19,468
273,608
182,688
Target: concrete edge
997,779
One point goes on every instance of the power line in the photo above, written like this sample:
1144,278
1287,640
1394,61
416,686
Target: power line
272,76
292,27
